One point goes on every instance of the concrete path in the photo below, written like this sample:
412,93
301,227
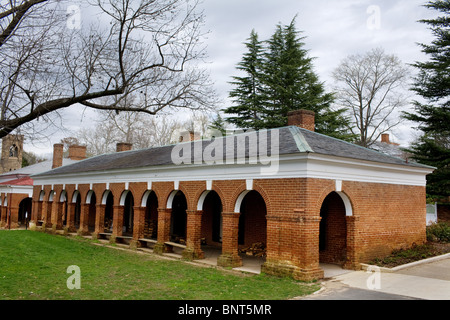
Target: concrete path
429,281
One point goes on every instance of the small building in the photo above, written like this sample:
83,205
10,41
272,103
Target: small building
308,198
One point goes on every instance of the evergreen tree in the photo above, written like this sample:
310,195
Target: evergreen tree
284,81
218,124
247,94
433,114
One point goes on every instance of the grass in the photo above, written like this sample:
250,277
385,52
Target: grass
33,266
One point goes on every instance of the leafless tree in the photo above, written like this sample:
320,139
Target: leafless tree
141,130
149,49
373,88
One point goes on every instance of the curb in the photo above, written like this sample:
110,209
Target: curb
366,267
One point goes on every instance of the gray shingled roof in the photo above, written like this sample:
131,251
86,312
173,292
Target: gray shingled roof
292,140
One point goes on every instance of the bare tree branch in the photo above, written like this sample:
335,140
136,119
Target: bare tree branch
149,49
370,86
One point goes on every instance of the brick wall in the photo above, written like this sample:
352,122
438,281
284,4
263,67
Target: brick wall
286,214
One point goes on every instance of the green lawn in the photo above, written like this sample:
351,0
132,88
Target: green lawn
33,266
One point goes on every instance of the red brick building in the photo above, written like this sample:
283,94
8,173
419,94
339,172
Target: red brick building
16,186
308,197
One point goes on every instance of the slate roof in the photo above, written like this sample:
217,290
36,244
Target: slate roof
292,140
37,168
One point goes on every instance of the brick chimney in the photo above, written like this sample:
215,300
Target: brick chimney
189,136
385,138
77,152
58,150
123,146
302,118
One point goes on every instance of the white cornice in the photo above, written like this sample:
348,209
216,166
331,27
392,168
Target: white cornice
17,189
289,166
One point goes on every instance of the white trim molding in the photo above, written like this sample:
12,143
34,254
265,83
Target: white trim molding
290,166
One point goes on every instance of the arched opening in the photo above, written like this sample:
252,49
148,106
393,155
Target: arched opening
49,208
77,215
108,201
39,208
128,214
212,219
24,211
333,230
92,200
63,201
178,221
252,233
13,151
151,215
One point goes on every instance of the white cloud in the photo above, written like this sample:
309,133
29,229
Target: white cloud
334,29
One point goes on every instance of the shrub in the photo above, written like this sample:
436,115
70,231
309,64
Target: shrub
439,232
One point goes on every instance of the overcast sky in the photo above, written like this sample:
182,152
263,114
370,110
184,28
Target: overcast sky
333,30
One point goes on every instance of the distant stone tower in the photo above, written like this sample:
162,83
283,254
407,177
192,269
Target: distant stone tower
12,151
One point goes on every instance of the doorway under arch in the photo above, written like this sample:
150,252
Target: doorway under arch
178,221
252,222
333,230
108,201
128,214
150,202
25,211
91,199
212,219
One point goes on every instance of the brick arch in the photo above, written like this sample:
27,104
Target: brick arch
169,200
83,189
201,197
52,195
187,194
163,191
105,195
264,195
145,195
58,189
89,196
65,194
345,196
75,196
231,203
221,195
162,196
242,191
70,189
41,196
124,195
138,190
353,200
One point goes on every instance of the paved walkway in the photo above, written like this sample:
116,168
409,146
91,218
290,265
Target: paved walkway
429,281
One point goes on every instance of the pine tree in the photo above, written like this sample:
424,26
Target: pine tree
247,94
433,114
218,124
282,79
